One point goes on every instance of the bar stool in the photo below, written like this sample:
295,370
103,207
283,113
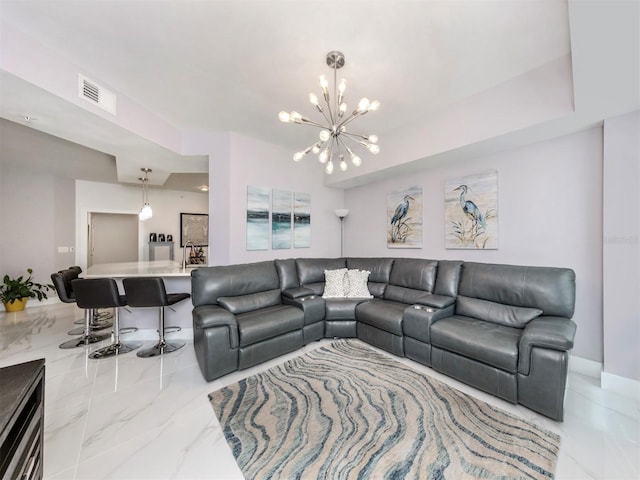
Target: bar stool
151,292
62,284
93,293
87,337
98,317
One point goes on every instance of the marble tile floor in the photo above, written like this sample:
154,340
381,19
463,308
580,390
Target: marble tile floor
149,418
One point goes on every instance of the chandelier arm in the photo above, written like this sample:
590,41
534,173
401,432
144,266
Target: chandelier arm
353,136
306,121
348,120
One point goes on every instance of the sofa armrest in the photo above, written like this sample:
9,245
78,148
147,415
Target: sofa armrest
555,333
297,292
436,301
311,305
208,316
418,319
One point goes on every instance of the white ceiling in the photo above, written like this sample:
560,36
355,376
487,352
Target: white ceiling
231,65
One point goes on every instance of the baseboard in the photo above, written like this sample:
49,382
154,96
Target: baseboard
583,366
620,385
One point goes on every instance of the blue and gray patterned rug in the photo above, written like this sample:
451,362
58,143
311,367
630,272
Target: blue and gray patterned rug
347,411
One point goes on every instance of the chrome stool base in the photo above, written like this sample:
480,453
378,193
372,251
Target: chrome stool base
93,327
161,348
84,340
115,349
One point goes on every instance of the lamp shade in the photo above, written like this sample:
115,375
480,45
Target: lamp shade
341,212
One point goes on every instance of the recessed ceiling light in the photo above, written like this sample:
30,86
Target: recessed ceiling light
203,188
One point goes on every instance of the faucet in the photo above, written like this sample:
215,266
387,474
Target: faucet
184,254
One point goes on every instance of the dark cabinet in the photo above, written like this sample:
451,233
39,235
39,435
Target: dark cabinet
22,421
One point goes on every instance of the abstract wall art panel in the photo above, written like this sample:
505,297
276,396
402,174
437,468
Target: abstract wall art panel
404,218
471,212
302,220
281,219
257,218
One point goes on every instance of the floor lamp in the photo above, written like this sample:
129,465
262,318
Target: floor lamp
341,213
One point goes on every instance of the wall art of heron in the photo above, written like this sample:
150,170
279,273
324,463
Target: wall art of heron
399,227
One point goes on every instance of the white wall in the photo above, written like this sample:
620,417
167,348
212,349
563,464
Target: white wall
621,249
550,214
106,197
236,161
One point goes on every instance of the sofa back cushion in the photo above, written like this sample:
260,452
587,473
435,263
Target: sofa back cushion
380,269
311,270
288,273
551,290
403,294
251,302
415,273
448,277
507,315
208,284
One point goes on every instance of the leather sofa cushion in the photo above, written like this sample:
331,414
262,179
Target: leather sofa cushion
287,272
380,268
486,342
311,270
551,290
210,283
317,287
382,314
247,303
376,288
259,325
403,294
297,292
415,273
507,315
448,278
341,308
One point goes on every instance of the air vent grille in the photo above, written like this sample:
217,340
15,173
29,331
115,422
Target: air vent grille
90,91
97,95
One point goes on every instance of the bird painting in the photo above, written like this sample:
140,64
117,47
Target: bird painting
471,211
400,226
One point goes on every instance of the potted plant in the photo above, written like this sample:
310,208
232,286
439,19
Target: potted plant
14,292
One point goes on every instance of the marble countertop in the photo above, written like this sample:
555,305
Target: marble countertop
157,268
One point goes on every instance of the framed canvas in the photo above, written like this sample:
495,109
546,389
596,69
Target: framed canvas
404,218
194,228
471,212
281,219
302,220
257,218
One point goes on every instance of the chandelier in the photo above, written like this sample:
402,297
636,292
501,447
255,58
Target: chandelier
145,212
334,139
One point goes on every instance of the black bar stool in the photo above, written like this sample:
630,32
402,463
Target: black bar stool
94,293
151,292
62,283
98,317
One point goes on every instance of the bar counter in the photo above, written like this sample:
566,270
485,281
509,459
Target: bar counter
157,268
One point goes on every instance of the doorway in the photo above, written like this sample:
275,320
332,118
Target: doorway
112,238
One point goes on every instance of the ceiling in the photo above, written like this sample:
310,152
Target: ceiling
232,65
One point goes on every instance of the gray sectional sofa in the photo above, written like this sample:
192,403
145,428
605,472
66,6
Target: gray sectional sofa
504,329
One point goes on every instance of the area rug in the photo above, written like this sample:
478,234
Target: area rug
347,411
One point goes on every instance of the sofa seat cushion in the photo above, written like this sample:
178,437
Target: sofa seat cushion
486,342
341,308
267,323
382,314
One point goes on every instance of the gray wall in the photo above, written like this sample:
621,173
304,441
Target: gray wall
621,249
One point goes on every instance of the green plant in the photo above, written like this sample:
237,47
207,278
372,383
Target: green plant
13,289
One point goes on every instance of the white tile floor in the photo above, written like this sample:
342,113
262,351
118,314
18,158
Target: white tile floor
149,418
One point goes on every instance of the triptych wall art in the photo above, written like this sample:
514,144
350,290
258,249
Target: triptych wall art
471,212
404,218
279,217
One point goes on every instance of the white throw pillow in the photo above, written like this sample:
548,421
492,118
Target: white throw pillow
358,284
335,283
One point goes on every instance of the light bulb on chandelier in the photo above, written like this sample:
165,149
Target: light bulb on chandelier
333,134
